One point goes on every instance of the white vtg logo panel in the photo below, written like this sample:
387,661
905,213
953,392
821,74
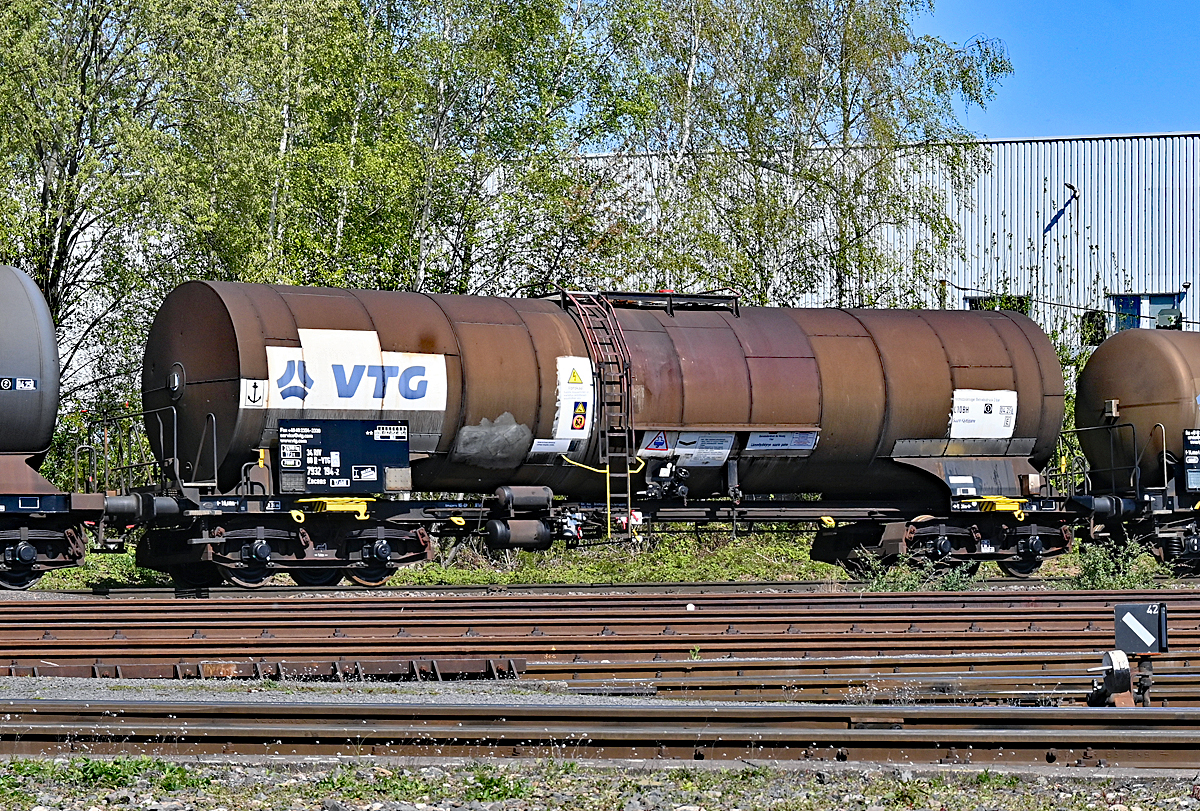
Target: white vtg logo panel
345,370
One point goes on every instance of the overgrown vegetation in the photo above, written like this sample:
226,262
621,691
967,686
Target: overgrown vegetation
668,557
558,785
88,773
689,557
910,573
103,571
1116,566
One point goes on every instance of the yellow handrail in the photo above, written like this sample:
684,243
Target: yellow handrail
606,471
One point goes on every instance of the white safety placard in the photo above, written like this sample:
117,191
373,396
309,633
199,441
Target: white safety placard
576,398
979,414
707,449
782,441
550,446
345,370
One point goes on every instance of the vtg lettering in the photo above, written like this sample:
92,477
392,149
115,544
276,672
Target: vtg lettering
411,381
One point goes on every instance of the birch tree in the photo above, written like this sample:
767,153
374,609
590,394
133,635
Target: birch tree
802,146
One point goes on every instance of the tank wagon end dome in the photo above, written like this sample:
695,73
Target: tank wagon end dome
1150,378
29,370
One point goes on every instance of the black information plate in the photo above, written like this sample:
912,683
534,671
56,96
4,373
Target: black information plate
1191,459
343,457
1141,627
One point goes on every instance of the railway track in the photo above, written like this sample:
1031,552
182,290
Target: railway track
1015,736
984,678
1027,648
569,629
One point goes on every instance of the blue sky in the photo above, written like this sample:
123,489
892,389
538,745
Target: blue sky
1083,67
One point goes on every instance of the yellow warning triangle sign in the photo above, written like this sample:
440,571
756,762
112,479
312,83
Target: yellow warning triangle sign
574,378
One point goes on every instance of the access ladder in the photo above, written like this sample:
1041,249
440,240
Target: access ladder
614,410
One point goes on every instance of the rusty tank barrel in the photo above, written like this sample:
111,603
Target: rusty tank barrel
497,391
1136,381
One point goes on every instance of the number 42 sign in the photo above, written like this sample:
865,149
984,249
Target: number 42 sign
1141,627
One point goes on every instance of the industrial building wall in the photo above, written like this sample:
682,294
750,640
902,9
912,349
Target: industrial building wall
1128,239
1122,245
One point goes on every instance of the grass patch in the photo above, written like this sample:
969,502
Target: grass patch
672,557
104,571
377,783
120,772
487,785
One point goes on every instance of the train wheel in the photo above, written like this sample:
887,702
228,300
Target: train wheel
316,577
371,577
1019,568
250,578
195,575
19,581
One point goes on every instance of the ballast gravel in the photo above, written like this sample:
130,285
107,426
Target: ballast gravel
232,783
364,785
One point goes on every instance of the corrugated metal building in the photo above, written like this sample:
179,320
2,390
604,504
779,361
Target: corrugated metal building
1109,224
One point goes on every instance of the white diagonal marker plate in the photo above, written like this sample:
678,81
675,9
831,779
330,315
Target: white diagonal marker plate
1138,628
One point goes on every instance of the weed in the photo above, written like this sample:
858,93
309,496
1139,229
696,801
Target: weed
1115,566
401,787
911,573
675,555
910,794
694,654
12,791
120,772
109,571
341,782
555,769
989,778
486,786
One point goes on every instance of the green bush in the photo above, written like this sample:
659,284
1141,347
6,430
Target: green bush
103,570
1116,566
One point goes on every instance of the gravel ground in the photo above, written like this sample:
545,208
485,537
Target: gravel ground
51,688
366,785
388,784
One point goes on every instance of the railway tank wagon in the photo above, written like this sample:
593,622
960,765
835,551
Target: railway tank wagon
917,431
1137,416
39,524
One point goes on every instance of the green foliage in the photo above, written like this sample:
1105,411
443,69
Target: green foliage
103,570
995,779
467,146
672,557
1116,565
794,136
120,772
376,783
910,573
909,794
490,786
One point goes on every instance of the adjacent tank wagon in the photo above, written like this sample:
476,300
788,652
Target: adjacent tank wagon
40,525
1137,414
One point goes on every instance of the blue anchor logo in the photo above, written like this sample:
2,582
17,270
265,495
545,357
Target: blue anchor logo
296,372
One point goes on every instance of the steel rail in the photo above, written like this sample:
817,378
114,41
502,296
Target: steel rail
46,635
1013,735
